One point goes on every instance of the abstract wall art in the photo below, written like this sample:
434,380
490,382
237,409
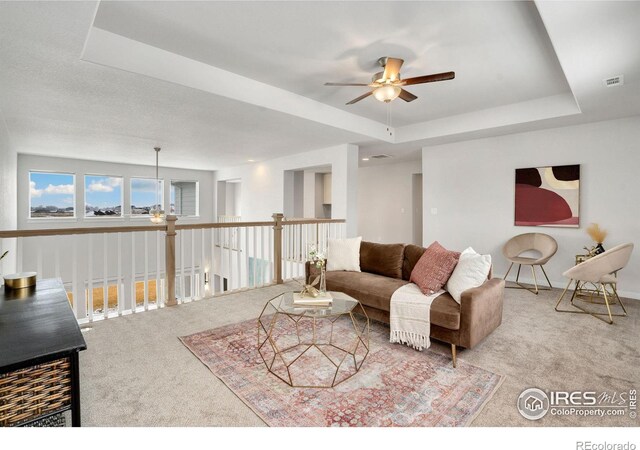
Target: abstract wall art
548,196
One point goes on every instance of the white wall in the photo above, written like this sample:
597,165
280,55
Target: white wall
472,186
8,196
81,167
385,202
263,182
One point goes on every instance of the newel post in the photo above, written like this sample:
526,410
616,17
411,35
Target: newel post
277,247
170,260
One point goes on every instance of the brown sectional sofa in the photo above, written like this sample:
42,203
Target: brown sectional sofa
386,267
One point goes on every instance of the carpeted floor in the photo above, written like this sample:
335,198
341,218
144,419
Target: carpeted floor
137,373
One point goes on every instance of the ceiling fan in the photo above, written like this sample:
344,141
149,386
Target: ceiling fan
387,85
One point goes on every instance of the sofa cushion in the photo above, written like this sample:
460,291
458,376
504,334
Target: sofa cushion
471,271
344,254
445,312
412,254
434,268
382,259
368,288
375,291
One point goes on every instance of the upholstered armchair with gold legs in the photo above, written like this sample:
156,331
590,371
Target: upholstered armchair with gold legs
542,244
601,271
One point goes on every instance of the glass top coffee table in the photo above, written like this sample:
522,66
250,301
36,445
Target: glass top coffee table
313,346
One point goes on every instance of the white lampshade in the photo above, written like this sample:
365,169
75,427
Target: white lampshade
387,93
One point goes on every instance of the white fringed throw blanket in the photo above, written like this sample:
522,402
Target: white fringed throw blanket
411,316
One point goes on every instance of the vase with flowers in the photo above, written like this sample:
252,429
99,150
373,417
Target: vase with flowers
320,261
598,235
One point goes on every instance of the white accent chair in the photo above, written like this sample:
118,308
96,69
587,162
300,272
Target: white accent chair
601,271
541,243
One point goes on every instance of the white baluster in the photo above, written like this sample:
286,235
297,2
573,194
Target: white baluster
270,249
105,285
183,295
20,255
119,281
229,263
255,257
74,276
146,270
238,259
56,258
246,256
201,285
133,273
214,265
192,277
159,289
39,245
90,277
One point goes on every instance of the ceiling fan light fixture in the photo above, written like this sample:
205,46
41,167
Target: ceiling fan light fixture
387,93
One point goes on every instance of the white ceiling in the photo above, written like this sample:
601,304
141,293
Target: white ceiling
217,83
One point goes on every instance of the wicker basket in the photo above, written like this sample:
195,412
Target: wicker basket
26,394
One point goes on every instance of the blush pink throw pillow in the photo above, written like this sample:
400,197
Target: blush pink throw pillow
434,268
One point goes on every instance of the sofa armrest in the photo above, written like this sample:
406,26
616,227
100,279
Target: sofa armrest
311,271
480,311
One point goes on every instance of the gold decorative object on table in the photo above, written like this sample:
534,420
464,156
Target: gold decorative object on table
309,290
289,335
20,280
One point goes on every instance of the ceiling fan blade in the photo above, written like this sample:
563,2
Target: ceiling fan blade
362,97
392,68
429,78
346,84
407,96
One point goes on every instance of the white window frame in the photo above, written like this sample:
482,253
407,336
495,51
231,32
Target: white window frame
197,214
162,201
57,219
84,190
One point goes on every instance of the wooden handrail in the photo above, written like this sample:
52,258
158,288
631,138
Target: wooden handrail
311,221
199,226
131,229
68,231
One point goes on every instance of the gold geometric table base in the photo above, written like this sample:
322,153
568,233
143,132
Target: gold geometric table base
291,342
610,299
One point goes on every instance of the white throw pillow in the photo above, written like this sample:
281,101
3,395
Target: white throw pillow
471,271
344,254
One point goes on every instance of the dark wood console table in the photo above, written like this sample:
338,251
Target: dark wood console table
39,345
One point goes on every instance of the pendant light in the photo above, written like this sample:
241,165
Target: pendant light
157,213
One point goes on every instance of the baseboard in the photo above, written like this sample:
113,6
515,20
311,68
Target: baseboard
562,284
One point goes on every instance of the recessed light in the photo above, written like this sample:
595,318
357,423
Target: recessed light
365,159
251,160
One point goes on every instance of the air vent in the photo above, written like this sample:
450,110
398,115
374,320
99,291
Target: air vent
382,156
614,81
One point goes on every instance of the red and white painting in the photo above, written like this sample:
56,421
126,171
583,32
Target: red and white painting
548,196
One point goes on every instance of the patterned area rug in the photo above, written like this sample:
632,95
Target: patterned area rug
396,385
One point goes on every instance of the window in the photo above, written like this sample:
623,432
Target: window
102,196
52,195
145,194
184,198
